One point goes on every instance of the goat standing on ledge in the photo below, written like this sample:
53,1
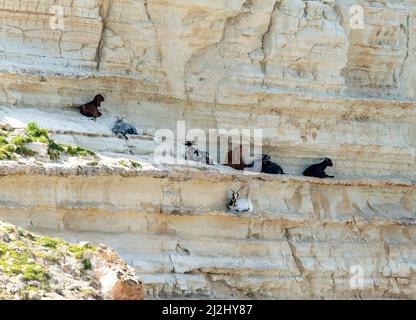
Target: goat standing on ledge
91,108
318,170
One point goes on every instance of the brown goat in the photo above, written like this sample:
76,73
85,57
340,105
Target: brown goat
237,154
91,108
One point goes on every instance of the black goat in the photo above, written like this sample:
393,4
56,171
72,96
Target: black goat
318,170
270,167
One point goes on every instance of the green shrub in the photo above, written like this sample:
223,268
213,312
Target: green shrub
35,132
87,264
80,250
78,151
16,261
136,164
55,149
3,140
7,152
35,272
130,163
4,133
49,242
20,140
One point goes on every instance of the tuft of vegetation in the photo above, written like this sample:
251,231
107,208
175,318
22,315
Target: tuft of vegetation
78,151
3,140
28,259
15,261
11,145
20,140
87,265
79,250
6,149
55,150
7,152
35,272
51,258
49,242
36,133
130,164
135,164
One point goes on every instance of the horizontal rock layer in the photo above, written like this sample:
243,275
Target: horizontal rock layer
304,238
364,139
215,50
294,69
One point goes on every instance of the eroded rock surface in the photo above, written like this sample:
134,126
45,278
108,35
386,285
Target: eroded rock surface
296,69
206,50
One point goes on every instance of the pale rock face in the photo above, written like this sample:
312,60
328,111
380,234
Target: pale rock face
305,43
306,238
214,50
25,38
296,69
117,280
377,54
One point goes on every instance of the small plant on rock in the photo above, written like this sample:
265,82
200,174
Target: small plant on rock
78,151
16,144
130,164
135,164
87,265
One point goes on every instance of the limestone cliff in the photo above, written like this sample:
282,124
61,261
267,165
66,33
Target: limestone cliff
295,69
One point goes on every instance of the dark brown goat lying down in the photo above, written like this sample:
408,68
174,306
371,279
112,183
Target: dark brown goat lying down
90,109
237,154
